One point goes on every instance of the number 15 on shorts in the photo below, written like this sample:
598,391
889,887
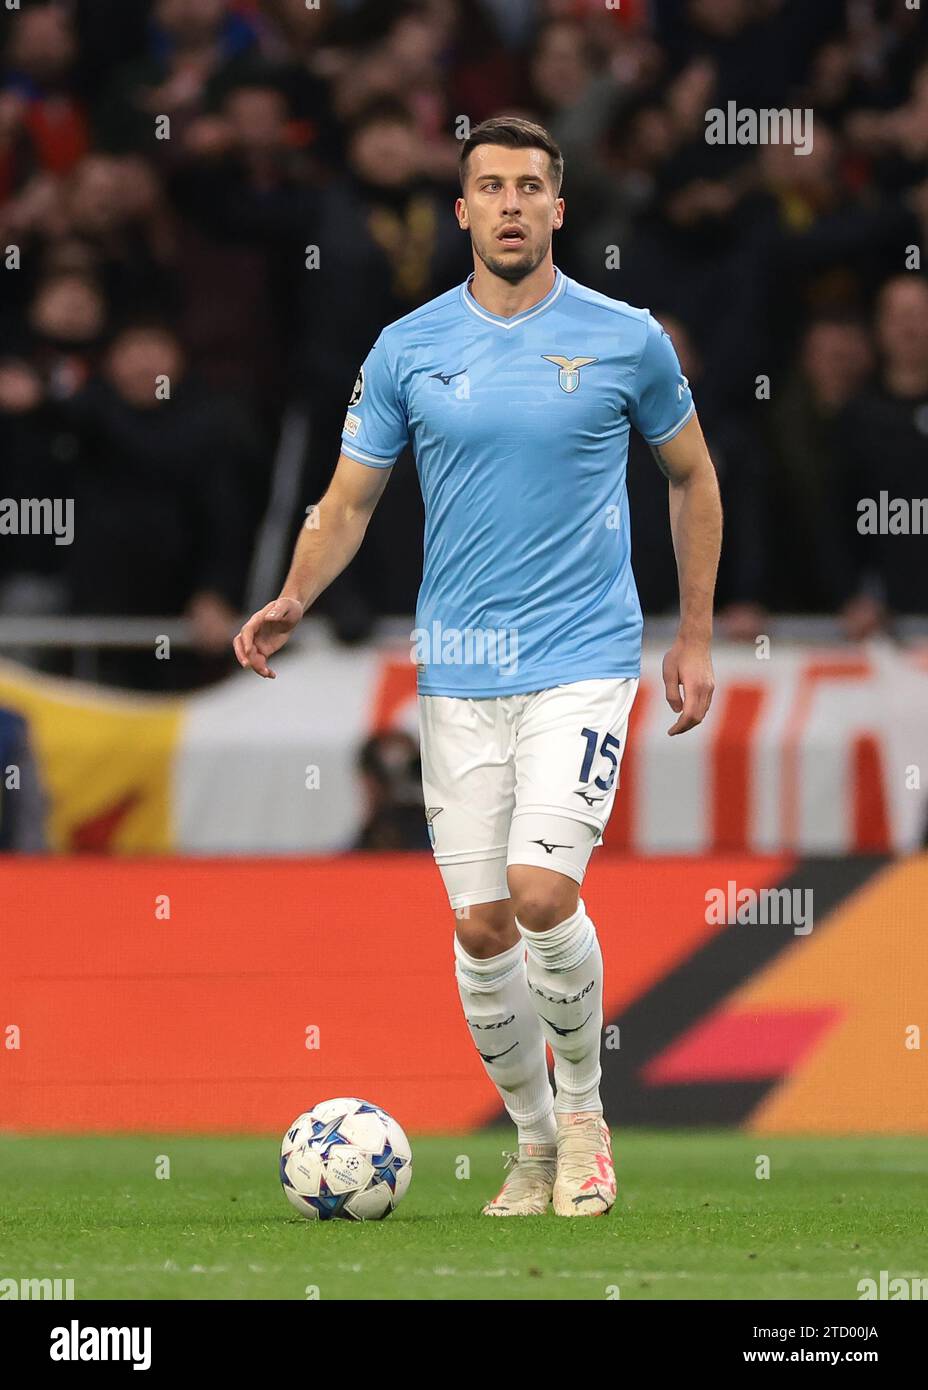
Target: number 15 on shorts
607,749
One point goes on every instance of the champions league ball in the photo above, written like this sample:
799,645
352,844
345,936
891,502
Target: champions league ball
345,1158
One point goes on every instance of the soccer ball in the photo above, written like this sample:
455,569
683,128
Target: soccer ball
345,1158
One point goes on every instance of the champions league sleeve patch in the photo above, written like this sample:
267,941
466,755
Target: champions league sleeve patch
358,391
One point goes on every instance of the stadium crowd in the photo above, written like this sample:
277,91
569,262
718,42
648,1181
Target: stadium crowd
138,249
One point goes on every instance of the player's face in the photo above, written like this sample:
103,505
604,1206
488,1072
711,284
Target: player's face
510,209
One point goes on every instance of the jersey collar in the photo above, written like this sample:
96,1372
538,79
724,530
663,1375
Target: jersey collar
470,303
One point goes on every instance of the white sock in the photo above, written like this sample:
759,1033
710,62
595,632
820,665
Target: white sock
565,978
504,1026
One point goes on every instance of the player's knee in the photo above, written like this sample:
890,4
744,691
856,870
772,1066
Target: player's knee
541,898
486,929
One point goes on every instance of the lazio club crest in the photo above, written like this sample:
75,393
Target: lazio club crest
568,378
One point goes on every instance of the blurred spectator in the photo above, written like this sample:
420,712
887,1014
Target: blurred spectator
835,360
43,124
481,70
293,41
698,253
742,464
563,70
392,777
831,249
67,322
39,454
441,58
193,43
246,188
760,50
105,219
574,96
391,242
881,448
162,502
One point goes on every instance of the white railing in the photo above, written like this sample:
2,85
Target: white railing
139,634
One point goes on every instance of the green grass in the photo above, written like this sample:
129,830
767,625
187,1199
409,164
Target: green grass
692,1222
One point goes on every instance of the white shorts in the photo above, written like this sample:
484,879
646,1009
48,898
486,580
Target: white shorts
520,779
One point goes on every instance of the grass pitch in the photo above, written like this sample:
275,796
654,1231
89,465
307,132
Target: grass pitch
692,1221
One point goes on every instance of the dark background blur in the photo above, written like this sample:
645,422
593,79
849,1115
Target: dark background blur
335,128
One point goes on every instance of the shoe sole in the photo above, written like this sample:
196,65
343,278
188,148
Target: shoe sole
514,1213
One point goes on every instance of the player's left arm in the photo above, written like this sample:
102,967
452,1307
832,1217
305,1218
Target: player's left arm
696,527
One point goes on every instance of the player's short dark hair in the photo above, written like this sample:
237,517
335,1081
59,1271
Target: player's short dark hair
515,133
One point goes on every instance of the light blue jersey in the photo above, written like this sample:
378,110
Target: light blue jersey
520,428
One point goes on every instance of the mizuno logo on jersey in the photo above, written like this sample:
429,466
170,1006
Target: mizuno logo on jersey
446,378
568,377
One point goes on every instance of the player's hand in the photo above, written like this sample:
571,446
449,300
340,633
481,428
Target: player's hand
688,666
265,633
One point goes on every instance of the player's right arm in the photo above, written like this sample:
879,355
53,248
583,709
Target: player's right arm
376,432
327,543
662,410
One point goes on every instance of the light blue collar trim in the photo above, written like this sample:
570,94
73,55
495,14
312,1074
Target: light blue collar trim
470,303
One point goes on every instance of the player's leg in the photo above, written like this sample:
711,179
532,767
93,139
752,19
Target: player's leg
565,980
493,988
564,973
569,743
468,781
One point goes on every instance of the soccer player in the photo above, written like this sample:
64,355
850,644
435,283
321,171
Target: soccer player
517,391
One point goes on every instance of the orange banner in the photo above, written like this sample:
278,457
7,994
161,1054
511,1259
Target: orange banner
230,995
